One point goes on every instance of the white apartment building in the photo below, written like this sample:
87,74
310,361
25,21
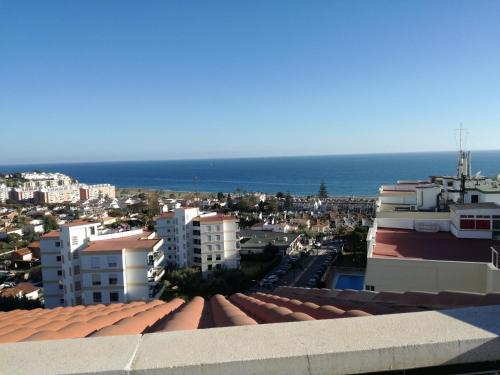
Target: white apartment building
80,265
422,239
96,191
4,193
193,239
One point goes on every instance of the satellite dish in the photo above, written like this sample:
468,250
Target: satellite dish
477,175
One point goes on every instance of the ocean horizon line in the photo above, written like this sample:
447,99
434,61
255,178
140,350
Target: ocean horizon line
238,158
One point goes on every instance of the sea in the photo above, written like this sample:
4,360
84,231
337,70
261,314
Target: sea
344,175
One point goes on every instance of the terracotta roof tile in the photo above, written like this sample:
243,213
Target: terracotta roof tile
285,304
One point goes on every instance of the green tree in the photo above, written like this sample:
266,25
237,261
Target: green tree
323,192
49,223
220,196
288,202
280,195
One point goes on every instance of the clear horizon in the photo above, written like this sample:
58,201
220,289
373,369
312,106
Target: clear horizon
126,80
243,157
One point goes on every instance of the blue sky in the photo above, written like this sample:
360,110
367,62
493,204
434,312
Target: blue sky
138,80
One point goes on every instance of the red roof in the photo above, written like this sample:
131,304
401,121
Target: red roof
77,223
284,305
402,243
23,251
52,234
139,241
218,217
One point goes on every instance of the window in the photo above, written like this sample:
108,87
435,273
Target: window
483,224
450,183
474,198
112,262
209,247
209,258
60,286
78,285
218,257
79,300
59,273
76,270
58,243
218,247
92,231
218,228
197,259
95,262
217,237
209,238
370,287
114,296
218,266
76,255
70,271
96,279
113,279
209,228
197,250
61,301
74,240
97,297
209,267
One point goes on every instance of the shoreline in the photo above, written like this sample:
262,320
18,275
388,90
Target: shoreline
138,190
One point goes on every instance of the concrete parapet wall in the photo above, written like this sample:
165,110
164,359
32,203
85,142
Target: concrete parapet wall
349,345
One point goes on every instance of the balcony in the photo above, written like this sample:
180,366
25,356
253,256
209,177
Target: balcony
155,274
156,258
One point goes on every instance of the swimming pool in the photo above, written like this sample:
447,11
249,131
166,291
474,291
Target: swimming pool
356,282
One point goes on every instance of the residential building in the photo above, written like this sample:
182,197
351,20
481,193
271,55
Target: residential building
4,193
97,191
81,265
430,236
21,290
255,242
208,241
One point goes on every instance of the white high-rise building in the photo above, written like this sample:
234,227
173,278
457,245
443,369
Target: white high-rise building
82,266
4,193
208,241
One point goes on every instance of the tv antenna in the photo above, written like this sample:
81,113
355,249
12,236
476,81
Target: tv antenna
461,134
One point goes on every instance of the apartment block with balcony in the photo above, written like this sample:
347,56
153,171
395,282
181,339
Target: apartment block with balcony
80,265
208,241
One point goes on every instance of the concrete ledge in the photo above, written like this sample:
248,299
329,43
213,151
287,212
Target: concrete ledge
350,345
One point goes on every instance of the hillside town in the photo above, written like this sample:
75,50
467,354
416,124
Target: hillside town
42,213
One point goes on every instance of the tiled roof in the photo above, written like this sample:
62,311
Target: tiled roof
51,234
284,305
23,251
77,223
218,217
19,290
141,241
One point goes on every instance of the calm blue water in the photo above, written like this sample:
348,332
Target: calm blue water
350,282
343,174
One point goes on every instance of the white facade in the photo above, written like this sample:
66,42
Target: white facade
4,193
208,241
51,258
120,267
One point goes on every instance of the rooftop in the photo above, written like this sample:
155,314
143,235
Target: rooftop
21,288
475,206
78,223
218,217
285,305
51,234
139,241
403,243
